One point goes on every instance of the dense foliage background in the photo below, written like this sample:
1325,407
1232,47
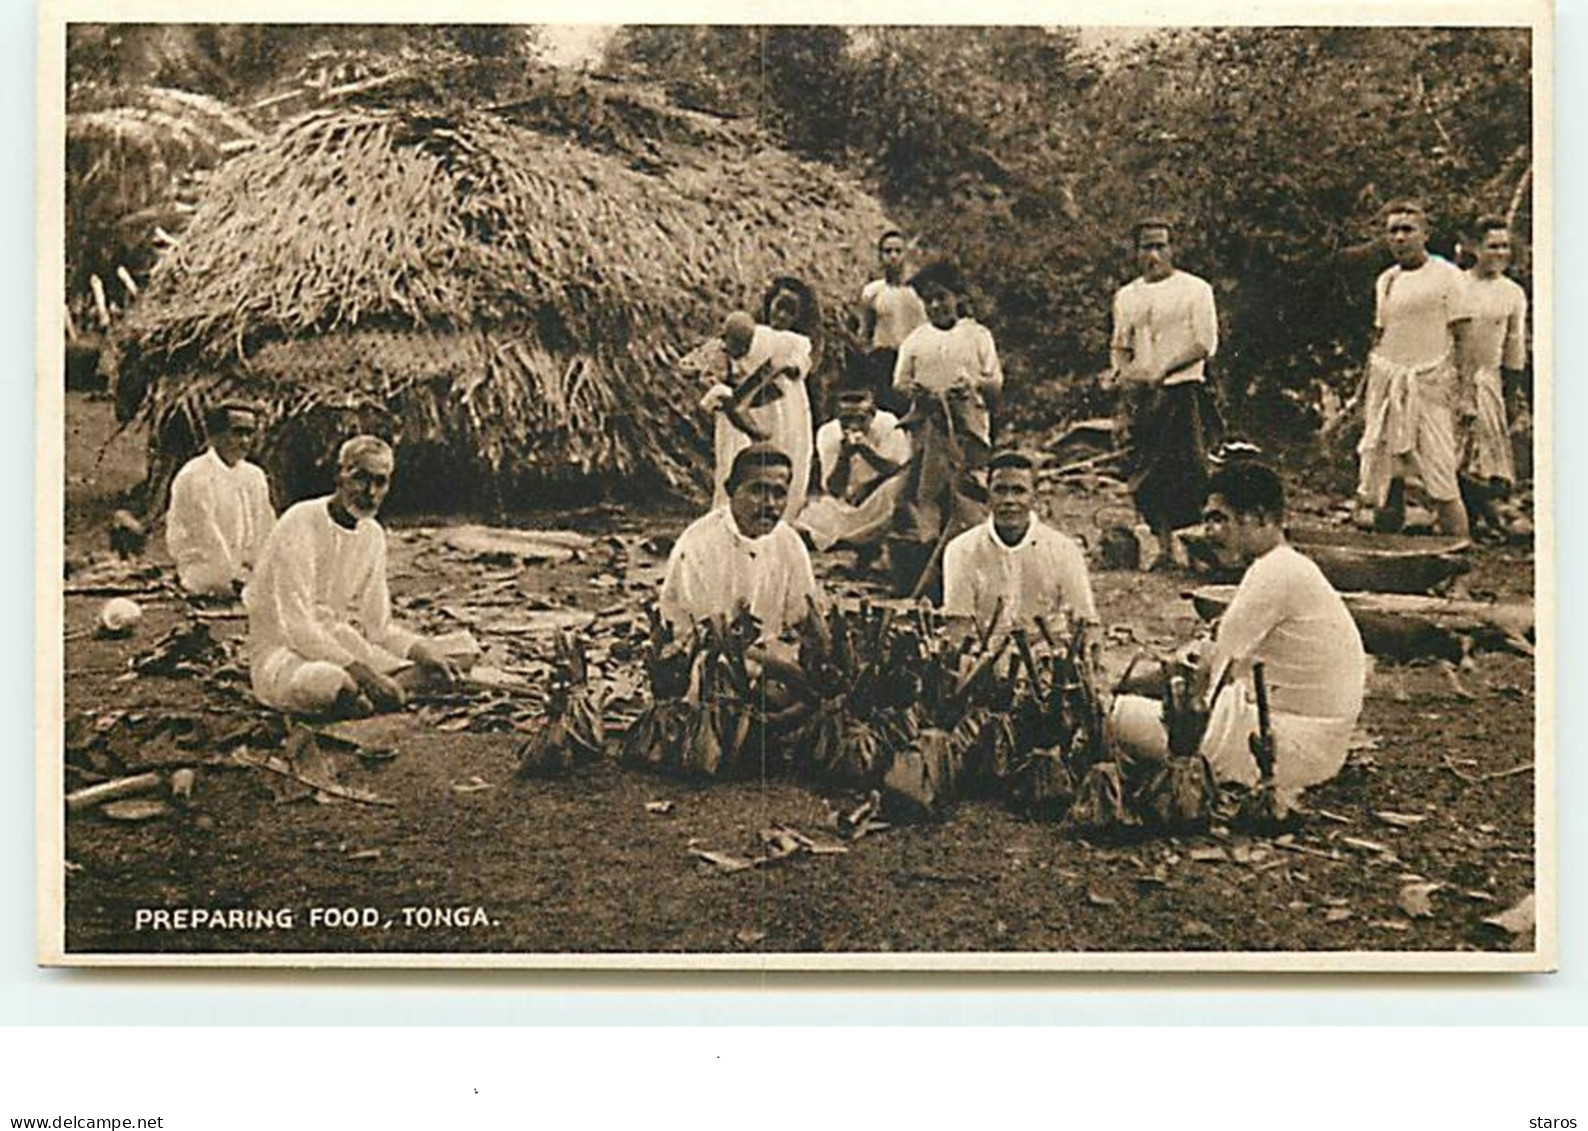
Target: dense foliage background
1026,153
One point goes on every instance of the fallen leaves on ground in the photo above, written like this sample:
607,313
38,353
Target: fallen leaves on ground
1416,899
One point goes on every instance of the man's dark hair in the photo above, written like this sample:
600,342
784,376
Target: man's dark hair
1011,457
218,418
890,234
1490,222
754,457
1250,487
941,273
1410,207
853,386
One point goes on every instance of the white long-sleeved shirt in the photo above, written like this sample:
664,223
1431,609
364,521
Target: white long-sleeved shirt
1043,575
314,574
883,436
713,568
217,522
963,355
787,419
1157,321
1287,615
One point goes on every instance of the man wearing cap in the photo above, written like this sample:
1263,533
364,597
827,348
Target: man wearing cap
321,638
1014,568
1165,329
220,507
1419,379
1286,616
859,456
758,394
742,553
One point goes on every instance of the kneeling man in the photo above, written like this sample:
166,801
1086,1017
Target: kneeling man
859,457
320,633
1013,568
1287,616
743,553
220,509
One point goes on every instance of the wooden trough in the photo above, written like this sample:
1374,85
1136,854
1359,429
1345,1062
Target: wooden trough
1401,626
1358,561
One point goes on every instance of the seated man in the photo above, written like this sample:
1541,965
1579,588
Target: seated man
220,507
1285,615
742,552
320,633
858,457
1014,568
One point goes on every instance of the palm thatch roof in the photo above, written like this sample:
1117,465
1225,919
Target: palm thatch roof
131,157
492,288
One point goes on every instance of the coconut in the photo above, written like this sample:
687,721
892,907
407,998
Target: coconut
119,616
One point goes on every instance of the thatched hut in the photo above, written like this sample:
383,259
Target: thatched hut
505,292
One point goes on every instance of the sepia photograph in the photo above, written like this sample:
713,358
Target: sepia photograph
853,497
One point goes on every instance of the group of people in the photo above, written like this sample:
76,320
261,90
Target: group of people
1448,352
930,484
321,638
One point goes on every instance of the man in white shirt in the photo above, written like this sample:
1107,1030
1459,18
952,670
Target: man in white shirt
889,309
1419,394
321,638
1286,616
1498,340
758,394
742,553
220,509
859,457
1014,568
1165,329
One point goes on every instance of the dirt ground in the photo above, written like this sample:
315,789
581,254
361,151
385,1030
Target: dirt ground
465,858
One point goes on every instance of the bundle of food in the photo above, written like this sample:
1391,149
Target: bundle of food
571,733
705,715
1181,796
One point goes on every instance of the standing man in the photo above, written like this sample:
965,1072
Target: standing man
1286,616
859,457
1498,339
742,553
889,310
320,633
220,508
1165,329
1014,568
1419,379
759,396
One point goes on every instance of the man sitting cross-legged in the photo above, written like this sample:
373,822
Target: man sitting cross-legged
320,634
1285,615
220,511
859,456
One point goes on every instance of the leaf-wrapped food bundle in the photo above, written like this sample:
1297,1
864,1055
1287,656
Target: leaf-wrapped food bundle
1042,787
1099,807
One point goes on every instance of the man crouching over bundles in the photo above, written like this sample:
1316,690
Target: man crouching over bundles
1286,616
320,634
